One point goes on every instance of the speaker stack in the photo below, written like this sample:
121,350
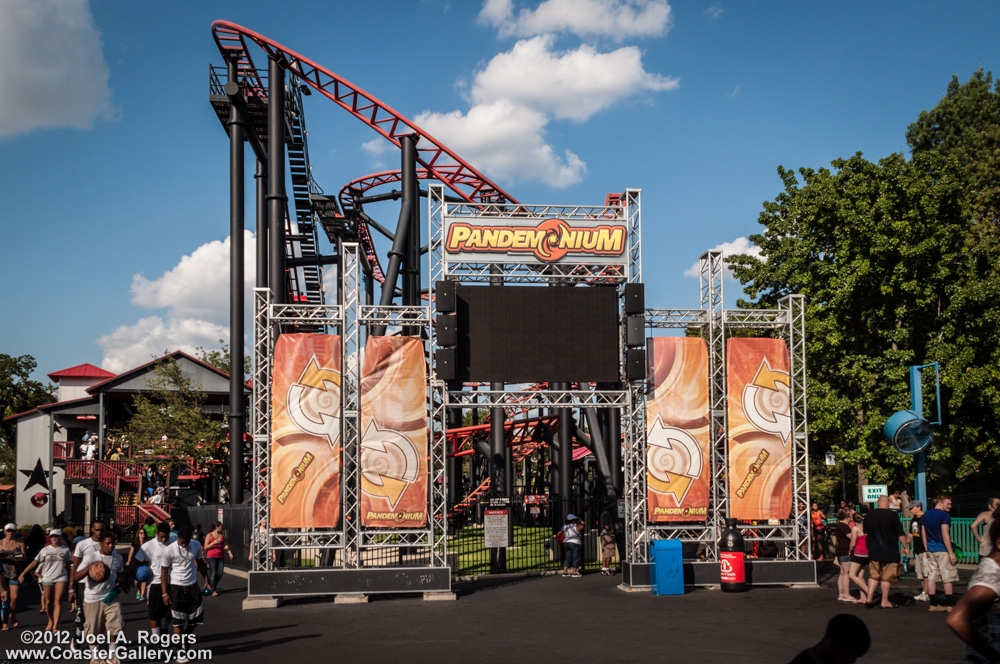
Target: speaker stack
635,332
446,330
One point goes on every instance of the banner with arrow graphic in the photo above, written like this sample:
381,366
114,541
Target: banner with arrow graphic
393,466
677,434
760,427
305,432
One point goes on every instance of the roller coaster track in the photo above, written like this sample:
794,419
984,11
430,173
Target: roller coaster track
438,161
518,434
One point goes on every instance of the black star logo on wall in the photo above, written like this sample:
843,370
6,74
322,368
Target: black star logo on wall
36,476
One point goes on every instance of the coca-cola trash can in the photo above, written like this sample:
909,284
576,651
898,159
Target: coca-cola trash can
732,559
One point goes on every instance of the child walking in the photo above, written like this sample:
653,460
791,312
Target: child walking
608,549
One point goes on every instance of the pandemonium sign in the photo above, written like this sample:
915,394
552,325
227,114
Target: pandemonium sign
587,241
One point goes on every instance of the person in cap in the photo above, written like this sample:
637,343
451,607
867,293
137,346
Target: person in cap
572,546
53,562
13,557
915,537
179,569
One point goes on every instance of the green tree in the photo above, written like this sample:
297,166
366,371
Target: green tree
221,359
174,407
965,127
898,263
18,392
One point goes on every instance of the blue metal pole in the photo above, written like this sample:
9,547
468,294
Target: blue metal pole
917,406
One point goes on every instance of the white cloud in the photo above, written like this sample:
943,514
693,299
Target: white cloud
54,74
130,346
519,93
571,84
195,294
739,246
617,19
377,148
714,12
506,141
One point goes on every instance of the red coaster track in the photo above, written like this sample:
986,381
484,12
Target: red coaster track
438,161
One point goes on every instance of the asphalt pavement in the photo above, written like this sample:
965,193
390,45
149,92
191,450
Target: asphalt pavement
550,618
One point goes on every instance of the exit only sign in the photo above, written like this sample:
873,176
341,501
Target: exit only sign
872,492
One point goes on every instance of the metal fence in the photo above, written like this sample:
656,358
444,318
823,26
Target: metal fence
236,524
532,539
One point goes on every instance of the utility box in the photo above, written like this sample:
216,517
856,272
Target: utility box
667,567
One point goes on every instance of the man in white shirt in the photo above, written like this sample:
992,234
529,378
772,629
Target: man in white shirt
80,550
152,553
101,617
179,569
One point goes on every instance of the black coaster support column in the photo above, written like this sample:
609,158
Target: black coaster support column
237,411
277,200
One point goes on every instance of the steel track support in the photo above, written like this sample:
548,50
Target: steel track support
237,413
277,200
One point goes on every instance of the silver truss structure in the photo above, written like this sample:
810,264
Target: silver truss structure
349,545
716,324
711,275
794,308
568,271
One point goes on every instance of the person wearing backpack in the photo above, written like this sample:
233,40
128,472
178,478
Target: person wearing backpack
572,546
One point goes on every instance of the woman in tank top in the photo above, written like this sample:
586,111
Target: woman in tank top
985,518
859,558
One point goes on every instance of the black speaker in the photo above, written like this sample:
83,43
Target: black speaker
635,364
446,363
635,331
446,327
635,299
444,296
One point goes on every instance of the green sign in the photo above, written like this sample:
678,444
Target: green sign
872,492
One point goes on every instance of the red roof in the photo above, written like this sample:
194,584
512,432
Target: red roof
81,371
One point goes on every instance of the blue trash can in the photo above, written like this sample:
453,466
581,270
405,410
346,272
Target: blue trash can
668,567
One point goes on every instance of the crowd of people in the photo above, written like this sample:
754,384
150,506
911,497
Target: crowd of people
162,564
872,544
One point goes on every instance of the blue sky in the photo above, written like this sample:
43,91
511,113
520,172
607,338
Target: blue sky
114,168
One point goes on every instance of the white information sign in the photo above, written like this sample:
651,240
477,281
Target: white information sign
872,492
495,528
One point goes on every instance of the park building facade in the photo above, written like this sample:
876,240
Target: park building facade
67,466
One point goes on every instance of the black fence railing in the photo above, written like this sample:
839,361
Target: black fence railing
533,546
236,524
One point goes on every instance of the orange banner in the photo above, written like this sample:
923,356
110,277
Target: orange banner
760,427
305,432
394,443
678,445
